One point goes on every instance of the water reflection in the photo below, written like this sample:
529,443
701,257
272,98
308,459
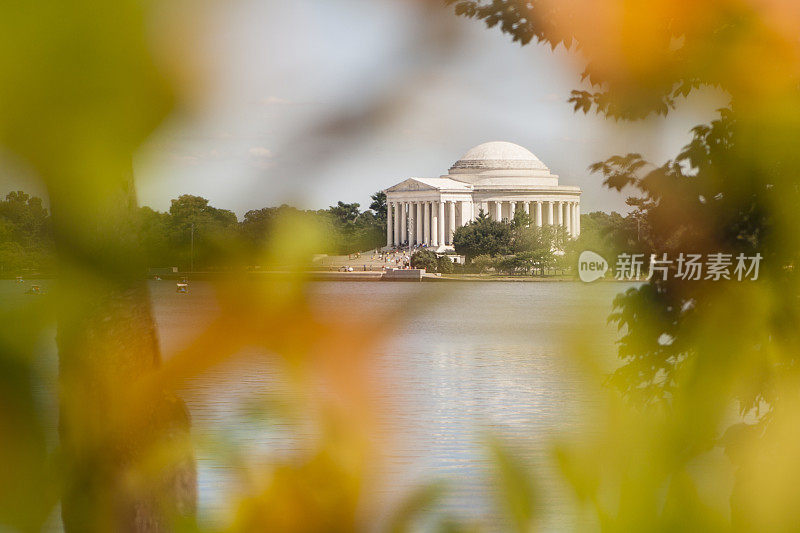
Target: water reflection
468,359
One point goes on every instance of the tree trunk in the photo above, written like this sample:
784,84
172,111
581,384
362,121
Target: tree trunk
82,91
125,443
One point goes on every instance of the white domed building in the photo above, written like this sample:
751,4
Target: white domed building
496,177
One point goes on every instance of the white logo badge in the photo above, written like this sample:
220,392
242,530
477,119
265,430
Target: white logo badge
591,266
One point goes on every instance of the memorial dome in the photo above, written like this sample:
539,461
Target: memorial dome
497,155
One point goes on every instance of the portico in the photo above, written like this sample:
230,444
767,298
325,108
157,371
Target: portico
497,178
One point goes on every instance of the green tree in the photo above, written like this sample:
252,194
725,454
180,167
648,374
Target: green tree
378,205
211,230
521,219
543,260
444,265
353,230
482,263
258,225
154,228
12,257
512,264
345,213
609,234
26,240
528,238
26,218
483,236
424,259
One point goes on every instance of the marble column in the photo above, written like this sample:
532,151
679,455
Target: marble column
434,223
567,218
442,236
572,206
389,230
396,223
466,214
426,223
560,213
403,220
451,222
550,207
485,208
412,223
527,206
410,234
539,213
498,211
577,219
409,222
418,222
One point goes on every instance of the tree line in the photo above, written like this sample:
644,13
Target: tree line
192,233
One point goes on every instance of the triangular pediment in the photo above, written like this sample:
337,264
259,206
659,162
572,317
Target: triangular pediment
411,184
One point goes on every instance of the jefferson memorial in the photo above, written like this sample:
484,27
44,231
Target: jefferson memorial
497,178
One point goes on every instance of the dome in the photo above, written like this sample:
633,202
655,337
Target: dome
498,155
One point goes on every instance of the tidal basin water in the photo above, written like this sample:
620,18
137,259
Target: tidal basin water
467,360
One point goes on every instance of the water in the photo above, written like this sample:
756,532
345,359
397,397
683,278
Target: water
465,360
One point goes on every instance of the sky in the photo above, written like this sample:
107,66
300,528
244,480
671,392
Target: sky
310,102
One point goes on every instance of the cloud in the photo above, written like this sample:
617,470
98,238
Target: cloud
260,152
190,160
274,100
261,156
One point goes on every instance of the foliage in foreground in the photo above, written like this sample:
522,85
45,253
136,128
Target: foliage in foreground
706,366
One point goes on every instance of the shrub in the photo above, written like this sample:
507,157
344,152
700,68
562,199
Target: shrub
482,263
444,265
424,259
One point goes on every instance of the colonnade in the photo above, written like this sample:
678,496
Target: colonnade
433,223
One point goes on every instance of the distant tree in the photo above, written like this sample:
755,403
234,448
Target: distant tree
378,205
483,236
211,228
543,260
27,216
444,265
610,234
508,264
187,209
528,238
482,263
521,219
345,213
154,229
25,233
12,257
520,263
257,225
424,259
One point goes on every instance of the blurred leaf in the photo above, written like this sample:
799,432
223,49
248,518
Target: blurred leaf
516,494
